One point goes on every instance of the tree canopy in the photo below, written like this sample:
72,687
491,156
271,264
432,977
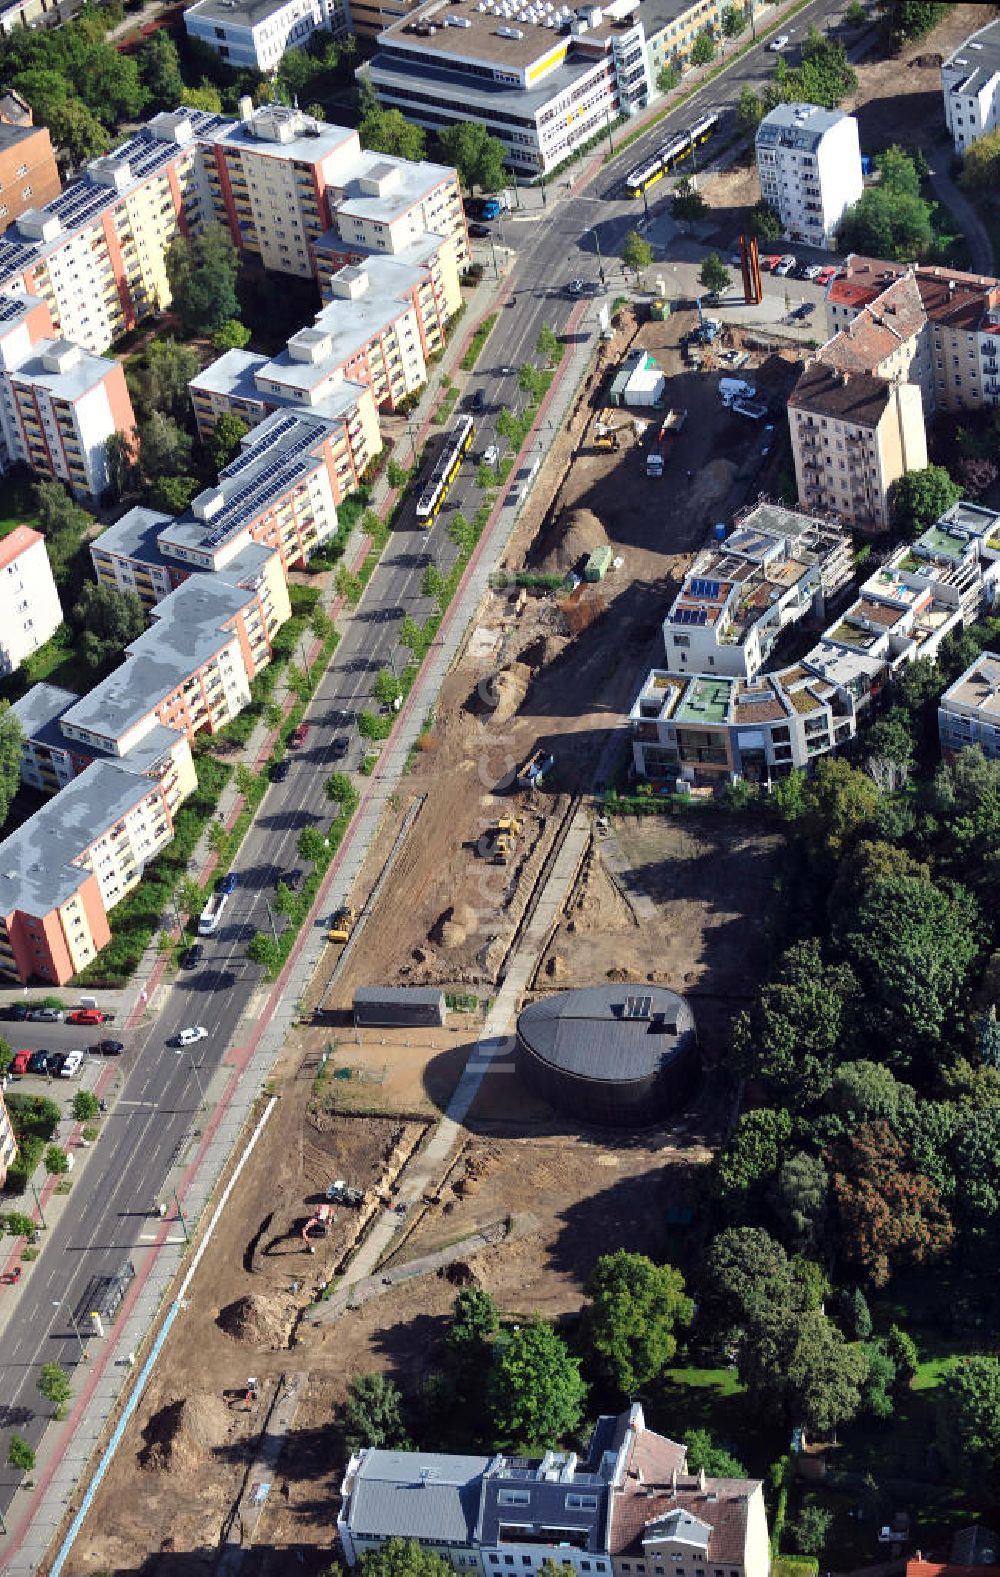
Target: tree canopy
107,620
968,1418
637,253
890,219
475,153
919,498
202,276
403,1558
388,131
635,1308
372,1414
889,1213
11,737
535,1393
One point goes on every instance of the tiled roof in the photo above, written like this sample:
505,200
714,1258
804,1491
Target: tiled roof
879,330
722,1505
960,301
858,397
656,1457
17,542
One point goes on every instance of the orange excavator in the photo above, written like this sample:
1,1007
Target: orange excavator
322,1218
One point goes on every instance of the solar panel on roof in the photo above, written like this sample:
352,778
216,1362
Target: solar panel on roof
705,588
638,1007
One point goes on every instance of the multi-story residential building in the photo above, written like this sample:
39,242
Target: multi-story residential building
709,715
50,758
30,611
28,174
380,204
254,34
970,82
281,492
671,27
969,710
853,435
629,1506
542,77
8,1144
809,165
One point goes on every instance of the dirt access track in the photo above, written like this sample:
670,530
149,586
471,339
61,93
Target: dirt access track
677,901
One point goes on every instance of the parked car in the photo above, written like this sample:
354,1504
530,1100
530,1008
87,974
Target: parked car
300,736
280,770
86,1016
478,231
45,1015
827,275
229,883
72,1063
193,956
813,270
108,1048
56,1062
785,265
779,42
38,1062
770,262
16,1012
22,1060
187,1037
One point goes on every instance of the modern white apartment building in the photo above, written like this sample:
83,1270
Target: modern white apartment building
969,710
706,725
541,76
254,34
970,82
30,611
809,165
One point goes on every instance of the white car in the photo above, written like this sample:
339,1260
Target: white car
779,42
785,266
72,1065
814,270
576,287
187,1037
491,455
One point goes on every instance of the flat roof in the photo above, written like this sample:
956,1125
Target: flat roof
232,374
706,701
241,13
801,126
978,687
38,712
506,32
611,1034
979,56
404,182
283,133
136,536
479,92
84,371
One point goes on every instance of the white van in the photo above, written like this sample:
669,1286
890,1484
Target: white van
731,389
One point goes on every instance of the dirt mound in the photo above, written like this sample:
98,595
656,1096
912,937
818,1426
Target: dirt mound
556,967
258,1321
930,62
579,532
183,1434
459,1273
624,977
711,484
511,687
451,929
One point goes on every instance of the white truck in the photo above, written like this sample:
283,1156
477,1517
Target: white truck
731,389
212,913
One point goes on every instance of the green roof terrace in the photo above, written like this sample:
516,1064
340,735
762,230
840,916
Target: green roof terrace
944,544
707,701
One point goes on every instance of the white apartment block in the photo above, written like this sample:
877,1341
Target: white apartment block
693,723
809,165
254,34
969,710
970,83
541,76
30,611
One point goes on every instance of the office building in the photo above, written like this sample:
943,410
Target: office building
809,166
706,717
630,1500
30,611
970,83
254,34
671,28
853,435
542,77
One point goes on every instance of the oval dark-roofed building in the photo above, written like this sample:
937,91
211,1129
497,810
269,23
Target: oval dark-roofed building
619,1056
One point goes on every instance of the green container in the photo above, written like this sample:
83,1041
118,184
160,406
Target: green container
659,311
598,563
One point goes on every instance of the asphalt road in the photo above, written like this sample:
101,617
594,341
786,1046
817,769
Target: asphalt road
110,1208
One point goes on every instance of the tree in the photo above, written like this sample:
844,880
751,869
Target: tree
107,620
403,1558
745,1276
905,20
859,1317
765,223
18,1224
265,950
311,844
204,97
233,335
902,1349
896,225
687,202
794,1033
224,440
160,70
158,383
121,453
890,1214
85,1106
547,344
56,1160
6,1057
474,1326
839,801
703,49
54,1384
476,155
968,1419
749,109
891,740
73,127
387,689
988,1037
800,1196
919,498
11,737
164,447
20,1454
635,1309
339,788
734,20
811,1528
388,131
704,1456
173,493
637,253
202,277
981,163
856,15
372,1415
668,77
752,1155
411,634
911,944
866,1091
535,1394
800,1362
58,514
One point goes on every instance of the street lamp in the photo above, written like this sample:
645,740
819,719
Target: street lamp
38,1203
56,1304
180,1217
607,113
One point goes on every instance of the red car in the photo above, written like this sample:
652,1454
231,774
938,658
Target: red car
20,1063
825,275
86,1016
300,736
771,262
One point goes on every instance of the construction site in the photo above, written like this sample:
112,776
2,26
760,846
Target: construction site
495,879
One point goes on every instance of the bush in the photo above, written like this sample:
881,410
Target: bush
56,1160
85,1105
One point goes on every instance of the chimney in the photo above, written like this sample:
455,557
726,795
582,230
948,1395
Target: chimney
701,1479
673,1481
246,108
638,1475
952,287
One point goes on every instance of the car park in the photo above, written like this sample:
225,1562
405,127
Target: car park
779,42
300,736
193,956
45,1015
188,1037
108,1048
784,265
56,1062
21,1061
38,1062
280,770
229,883
86,1016
72,1063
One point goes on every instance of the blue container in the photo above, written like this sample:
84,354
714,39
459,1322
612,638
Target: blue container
720,533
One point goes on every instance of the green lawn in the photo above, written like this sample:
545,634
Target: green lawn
713,1399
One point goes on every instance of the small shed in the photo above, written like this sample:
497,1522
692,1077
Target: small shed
645,387
399,1007
599,563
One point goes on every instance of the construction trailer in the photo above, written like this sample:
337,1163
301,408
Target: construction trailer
399,1007
599,563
